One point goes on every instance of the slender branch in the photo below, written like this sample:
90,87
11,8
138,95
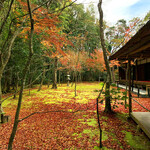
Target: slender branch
98,120
50,112
101,90
34,9
1,28
63,8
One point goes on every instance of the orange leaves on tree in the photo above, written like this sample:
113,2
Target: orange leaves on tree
73,61
46,26
130,30
96,61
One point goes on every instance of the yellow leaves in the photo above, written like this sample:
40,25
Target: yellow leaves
46,43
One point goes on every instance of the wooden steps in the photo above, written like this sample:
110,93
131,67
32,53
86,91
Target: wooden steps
143,120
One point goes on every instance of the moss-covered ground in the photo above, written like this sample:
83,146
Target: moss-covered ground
67,122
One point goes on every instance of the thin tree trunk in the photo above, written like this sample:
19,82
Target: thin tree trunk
68,77
113,75
16,121
109,78
1,109
16,89
59,76
8,81
48,83
98,120
55,74
43,77
75,84
48,74
73,78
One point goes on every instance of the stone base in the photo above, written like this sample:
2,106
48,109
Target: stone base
4,119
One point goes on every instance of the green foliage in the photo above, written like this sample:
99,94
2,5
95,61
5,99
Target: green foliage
117,97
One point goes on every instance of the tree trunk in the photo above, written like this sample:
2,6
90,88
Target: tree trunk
55,74
109,78
113,75
73,78
59,76
48,83
1,109
8,81
43,77
75,84
16,89
107,97
16,121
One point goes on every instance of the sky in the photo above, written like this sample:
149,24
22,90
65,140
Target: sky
120,9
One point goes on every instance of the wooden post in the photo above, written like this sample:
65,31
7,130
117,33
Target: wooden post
129,77
133,74
136,71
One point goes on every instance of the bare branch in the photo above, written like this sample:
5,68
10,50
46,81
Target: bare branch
43,112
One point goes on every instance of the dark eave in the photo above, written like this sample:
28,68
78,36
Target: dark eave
137,47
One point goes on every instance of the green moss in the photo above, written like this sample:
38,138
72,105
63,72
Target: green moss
80,135
122,116
9,102
92,122
95,132
136,142
75,134
104,117
98,148
104,123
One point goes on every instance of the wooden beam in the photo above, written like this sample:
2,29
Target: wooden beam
142,48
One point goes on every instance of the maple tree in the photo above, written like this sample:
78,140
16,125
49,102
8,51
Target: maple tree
74,62
96,60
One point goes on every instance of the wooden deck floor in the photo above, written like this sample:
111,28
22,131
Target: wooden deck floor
143,120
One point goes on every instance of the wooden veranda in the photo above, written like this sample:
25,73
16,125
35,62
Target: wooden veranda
138,47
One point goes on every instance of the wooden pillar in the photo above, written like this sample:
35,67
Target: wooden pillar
129,77
136,71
